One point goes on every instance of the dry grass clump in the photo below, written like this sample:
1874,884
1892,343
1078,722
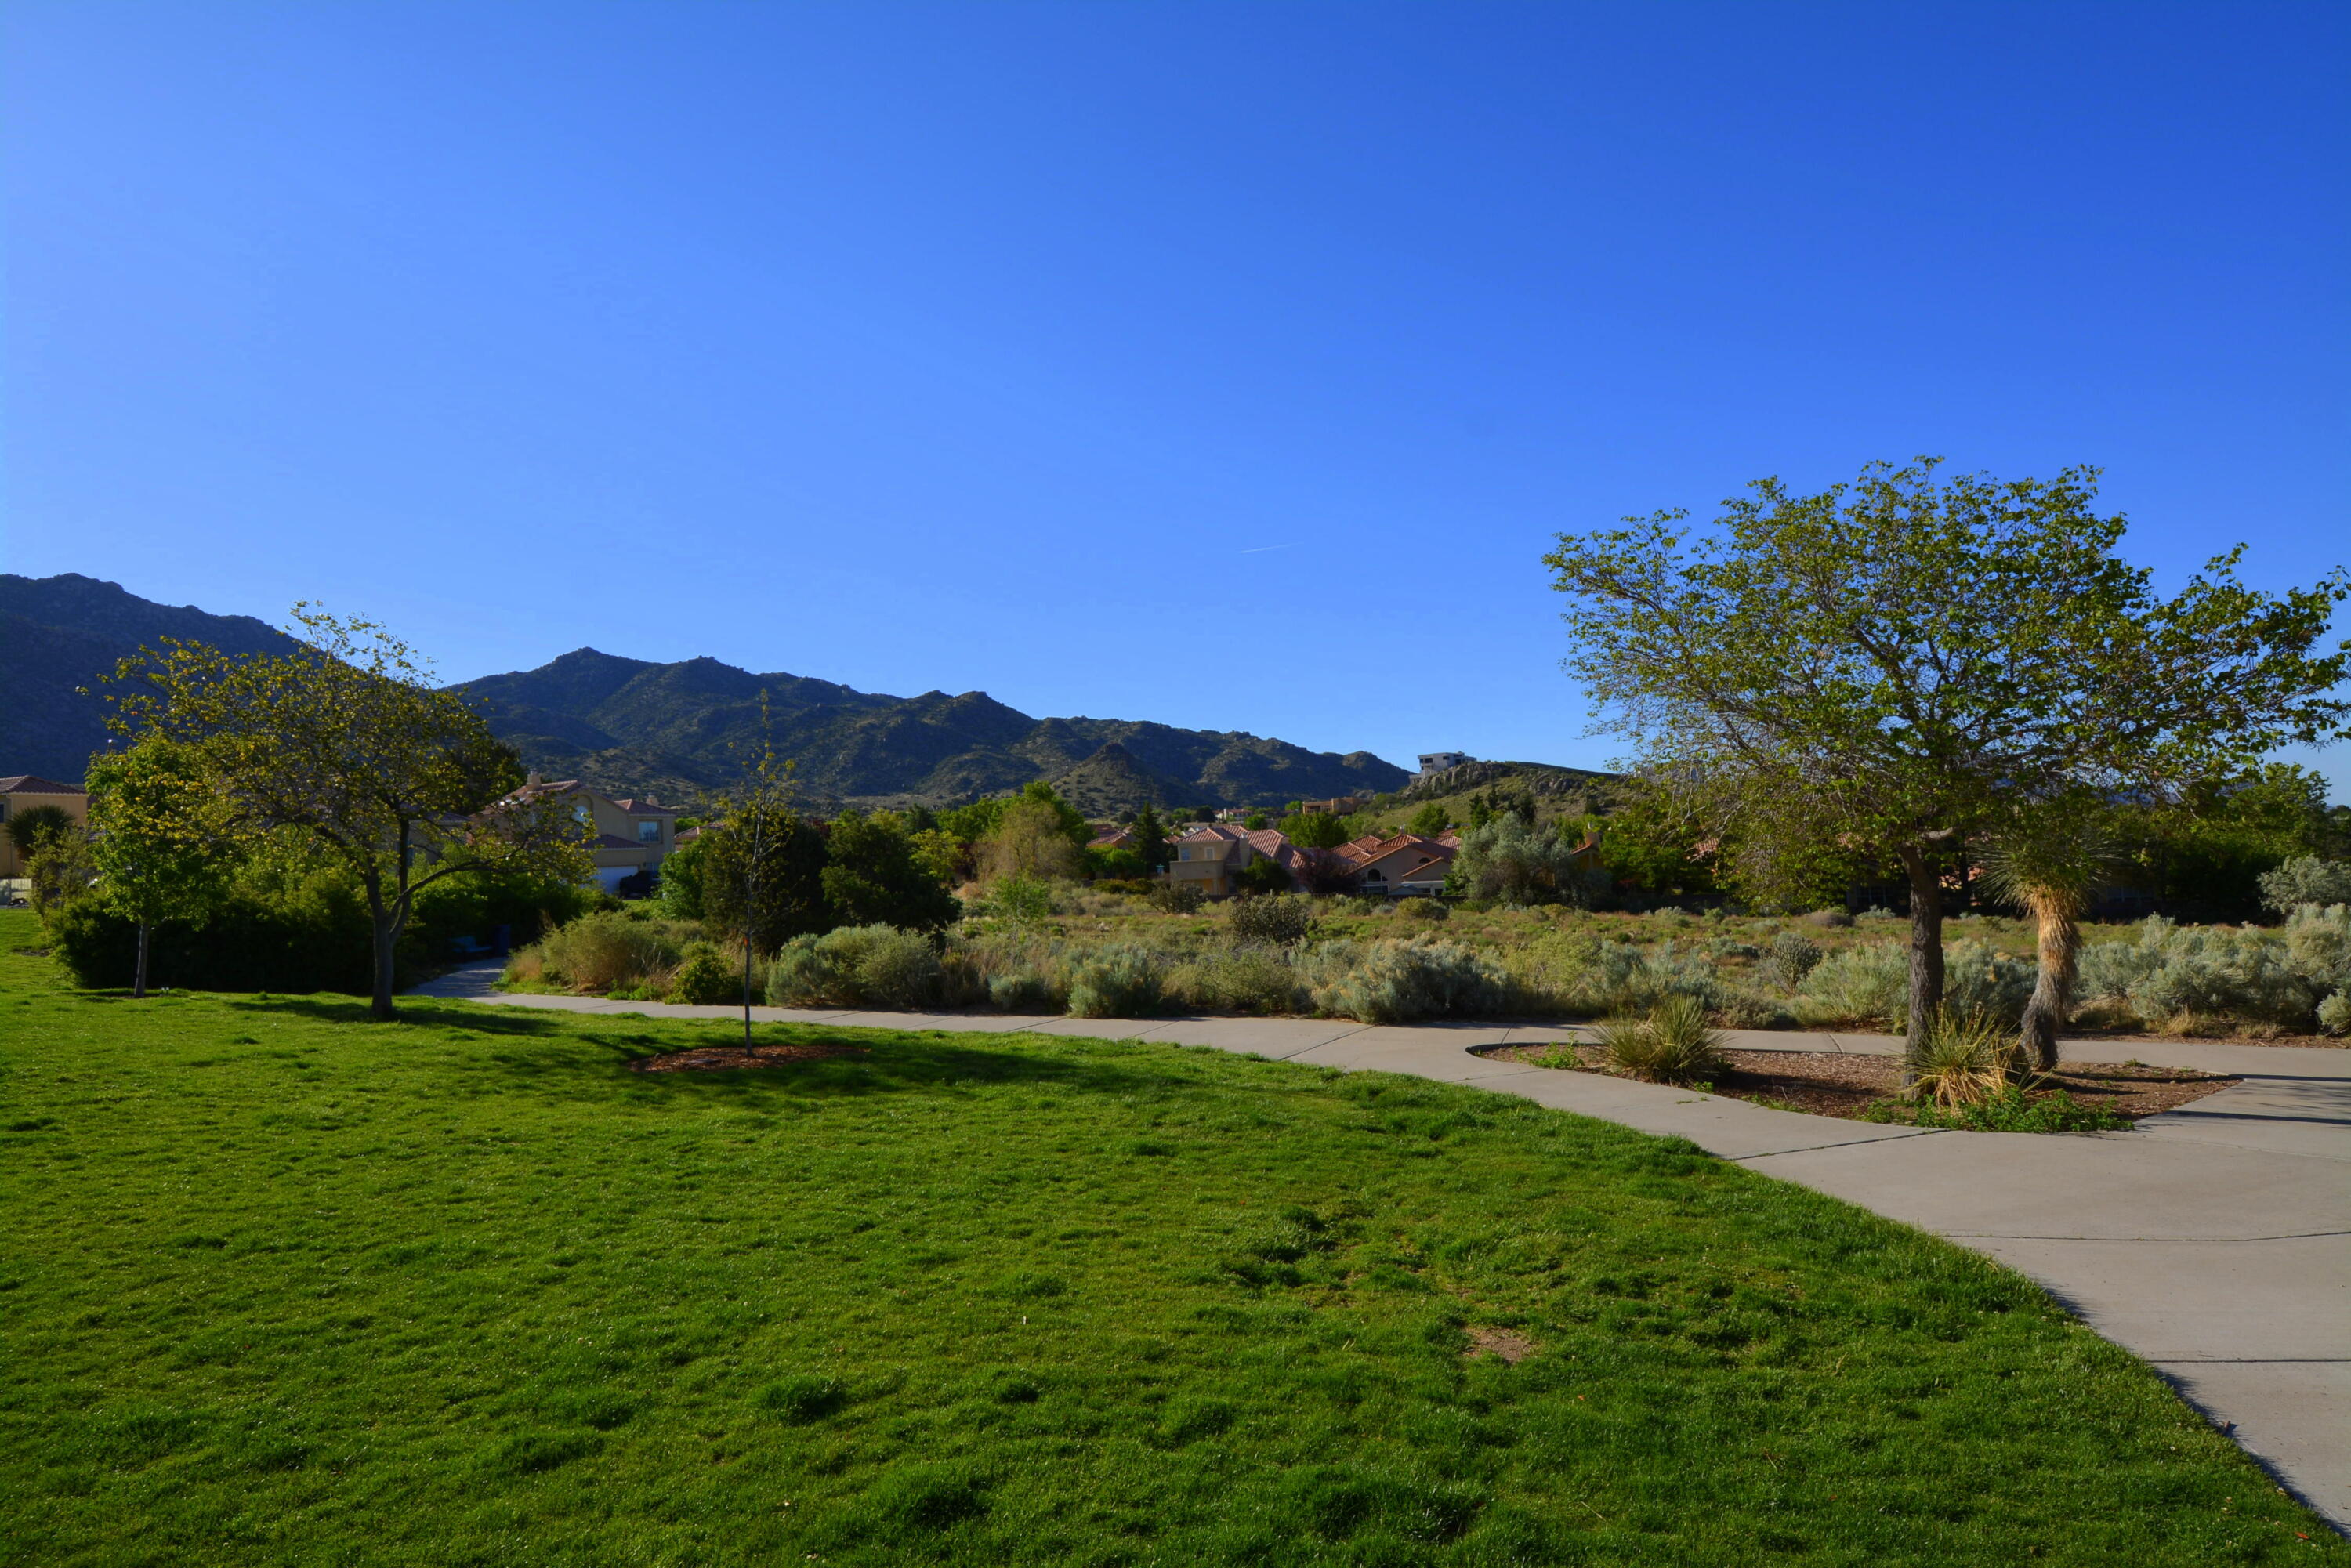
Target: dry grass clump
605,951
1967,1060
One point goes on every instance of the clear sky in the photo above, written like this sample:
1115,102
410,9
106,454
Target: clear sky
1226,365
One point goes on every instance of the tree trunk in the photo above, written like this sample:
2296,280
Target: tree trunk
1926,958
2060,942
746,993
387,932
138,978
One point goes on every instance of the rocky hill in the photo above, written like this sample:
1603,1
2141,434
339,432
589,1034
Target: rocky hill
59,636
683,731
688,729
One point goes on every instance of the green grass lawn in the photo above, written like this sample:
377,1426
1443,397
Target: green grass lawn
281,1285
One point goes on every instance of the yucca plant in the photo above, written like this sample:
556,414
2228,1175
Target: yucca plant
1672,1045
2049,862
1967,1060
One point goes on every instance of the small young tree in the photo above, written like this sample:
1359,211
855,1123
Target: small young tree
347,741
763,864
163,837
1883,666
1428,822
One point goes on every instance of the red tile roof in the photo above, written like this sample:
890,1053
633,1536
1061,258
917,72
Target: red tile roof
34,784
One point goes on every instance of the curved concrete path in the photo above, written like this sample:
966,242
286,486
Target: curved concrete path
2214,1240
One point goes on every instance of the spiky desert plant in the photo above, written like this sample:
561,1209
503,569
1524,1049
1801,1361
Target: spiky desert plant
1672,1045
1966,1062
2049,863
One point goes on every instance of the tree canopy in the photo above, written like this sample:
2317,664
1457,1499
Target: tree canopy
1886,665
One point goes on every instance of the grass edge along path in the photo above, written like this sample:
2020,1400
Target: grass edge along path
283,1285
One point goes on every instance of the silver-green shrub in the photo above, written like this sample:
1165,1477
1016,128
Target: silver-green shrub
874,965
1417,978
1980,982
1121,980
2215,971
606,950
1794,956
1863,984
1249,980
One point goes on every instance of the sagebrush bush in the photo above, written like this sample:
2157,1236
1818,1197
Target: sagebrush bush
879,965
1979,981
2307,880
1416,977
2214,972
1794,956
1121,981
1859,984
1279,920
606,950
1420,908
706,976
1251,979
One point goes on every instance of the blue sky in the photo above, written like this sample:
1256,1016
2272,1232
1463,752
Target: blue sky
1224,365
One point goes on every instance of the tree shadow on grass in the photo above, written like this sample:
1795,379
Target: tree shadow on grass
586,1055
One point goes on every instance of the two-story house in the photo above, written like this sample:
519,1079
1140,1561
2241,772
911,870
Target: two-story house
1208,856
632,834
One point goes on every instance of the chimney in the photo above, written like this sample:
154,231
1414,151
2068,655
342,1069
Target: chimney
537,777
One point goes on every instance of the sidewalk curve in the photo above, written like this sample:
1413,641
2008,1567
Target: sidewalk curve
2214,1241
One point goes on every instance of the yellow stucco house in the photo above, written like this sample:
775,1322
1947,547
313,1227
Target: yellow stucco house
24,791
632,834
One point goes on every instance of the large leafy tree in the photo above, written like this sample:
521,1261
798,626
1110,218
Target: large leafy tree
1887,666
347,741
164,839
874,876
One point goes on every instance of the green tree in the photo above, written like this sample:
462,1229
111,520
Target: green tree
1317,830
163,843
346,741
680,894
1883,666
873,877
1428,822
1150,844
763,863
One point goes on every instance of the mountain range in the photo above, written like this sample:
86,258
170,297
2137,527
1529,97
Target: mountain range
681,731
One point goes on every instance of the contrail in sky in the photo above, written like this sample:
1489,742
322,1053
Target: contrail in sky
1260,550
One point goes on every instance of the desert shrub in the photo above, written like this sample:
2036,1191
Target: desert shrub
1512,863
1023,991
1121,981
1980,982
2318,945
1019,898
1750,1010
1828,918
1858,985
1417,978
707,977
2306,879
1417,908
1794,956
1278,921
606,950
1177,897
877,966
803,975
2335,1013
1246,979
2107,970
2215,971
1671,1045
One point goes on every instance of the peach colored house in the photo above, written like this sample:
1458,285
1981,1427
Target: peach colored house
1206,857
1402,862
24,791
632,834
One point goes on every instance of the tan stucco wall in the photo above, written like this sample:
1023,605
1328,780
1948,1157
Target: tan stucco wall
75,805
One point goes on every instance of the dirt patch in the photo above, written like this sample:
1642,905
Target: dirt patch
727,1057
1508,1345
1835,1083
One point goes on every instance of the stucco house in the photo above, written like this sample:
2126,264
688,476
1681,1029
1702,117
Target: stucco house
1208,856
22,792
632,834
1402,862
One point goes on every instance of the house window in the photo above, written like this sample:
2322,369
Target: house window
648,832
1184,853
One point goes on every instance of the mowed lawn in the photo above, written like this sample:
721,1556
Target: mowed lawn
281,1285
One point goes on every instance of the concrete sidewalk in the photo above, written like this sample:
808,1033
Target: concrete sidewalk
2214,1241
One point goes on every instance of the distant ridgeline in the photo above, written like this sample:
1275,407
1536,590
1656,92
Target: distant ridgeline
682,730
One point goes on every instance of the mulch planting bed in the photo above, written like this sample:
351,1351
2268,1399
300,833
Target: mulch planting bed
725,1058
1835,1083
